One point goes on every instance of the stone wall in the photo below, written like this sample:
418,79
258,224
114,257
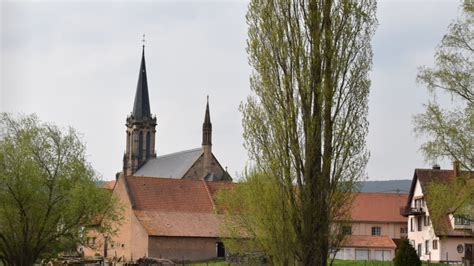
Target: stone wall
197,170
183,248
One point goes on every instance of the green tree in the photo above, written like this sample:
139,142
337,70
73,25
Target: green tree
48,192
306,123
406,255
451,131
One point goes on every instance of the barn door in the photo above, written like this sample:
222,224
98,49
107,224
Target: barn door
220,250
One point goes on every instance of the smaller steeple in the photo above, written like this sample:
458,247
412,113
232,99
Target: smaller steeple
207,127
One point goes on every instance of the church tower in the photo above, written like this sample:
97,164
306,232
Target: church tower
207,141
140,144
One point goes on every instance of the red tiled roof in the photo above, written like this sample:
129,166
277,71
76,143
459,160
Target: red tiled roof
109,185
169,195
369,242
215,186
158,223
378,207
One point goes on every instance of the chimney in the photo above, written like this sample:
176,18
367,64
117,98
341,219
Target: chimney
456,168
436,167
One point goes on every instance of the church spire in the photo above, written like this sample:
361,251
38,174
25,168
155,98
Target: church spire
140,143
141,106
207,127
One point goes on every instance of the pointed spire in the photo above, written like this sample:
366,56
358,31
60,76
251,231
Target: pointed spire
207,126
141,106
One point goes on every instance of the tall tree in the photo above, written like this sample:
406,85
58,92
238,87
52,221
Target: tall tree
48,192
305,125
451,131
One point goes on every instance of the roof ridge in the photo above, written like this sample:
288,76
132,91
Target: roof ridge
167,178
209,194
178,152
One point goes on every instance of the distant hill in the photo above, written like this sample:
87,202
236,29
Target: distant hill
389,186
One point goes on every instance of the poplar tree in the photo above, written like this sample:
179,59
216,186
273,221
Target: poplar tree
305,124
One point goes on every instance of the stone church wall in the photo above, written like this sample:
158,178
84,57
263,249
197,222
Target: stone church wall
197,170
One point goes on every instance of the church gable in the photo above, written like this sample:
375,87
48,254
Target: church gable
198,170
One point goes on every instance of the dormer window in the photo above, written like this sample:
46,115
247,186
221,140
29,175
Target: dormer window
462,220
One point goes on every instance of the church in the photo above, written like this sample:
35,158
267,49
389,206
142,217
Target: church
168,200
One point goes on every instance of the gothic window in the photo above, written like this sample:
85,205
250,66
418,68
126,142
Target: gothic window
128,142
148,144
140,145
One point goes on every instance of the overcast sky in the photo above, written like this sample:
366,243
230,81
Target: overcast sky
76,64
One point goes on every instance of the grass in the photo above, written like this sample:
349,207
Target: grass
216,262
221,262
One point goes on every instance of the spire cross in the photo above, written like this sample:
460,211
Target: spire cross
143,40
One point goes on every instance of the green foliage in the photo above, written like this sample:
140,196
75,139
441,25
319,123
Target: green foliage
443,201
451,132
48,194
406,255
256,209
306,123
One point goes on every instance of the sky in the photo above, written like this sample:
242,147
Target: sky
76,64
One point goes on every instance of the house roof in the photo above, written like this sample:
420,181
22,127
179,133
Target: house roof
175,207
425,177
378,207
173,165
369,242
169,195
158,223
109,185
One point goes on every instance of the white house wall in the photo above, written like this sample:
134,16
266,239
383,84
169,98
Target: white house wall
426,234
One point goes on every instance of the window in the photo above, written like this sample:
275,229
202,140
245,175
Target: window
412,227
419,203
347,230
140,145
148,143
420,249
427,220
427,247
403,230
420,224
435,244
462,220
376,231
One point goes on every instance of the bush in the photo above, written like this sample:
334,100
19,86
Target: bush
406,255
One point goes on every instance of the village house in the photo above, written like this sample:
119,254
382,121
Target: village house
376,227
449,240
168,200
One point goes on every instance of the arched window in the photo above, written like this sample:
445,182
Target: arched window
140,146
148,145
128,143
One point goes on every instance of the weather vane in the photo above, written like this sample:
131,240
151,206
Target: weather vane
143,40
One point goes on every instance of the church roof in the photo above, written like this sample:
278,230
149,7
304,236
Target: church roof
173,165
141,106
